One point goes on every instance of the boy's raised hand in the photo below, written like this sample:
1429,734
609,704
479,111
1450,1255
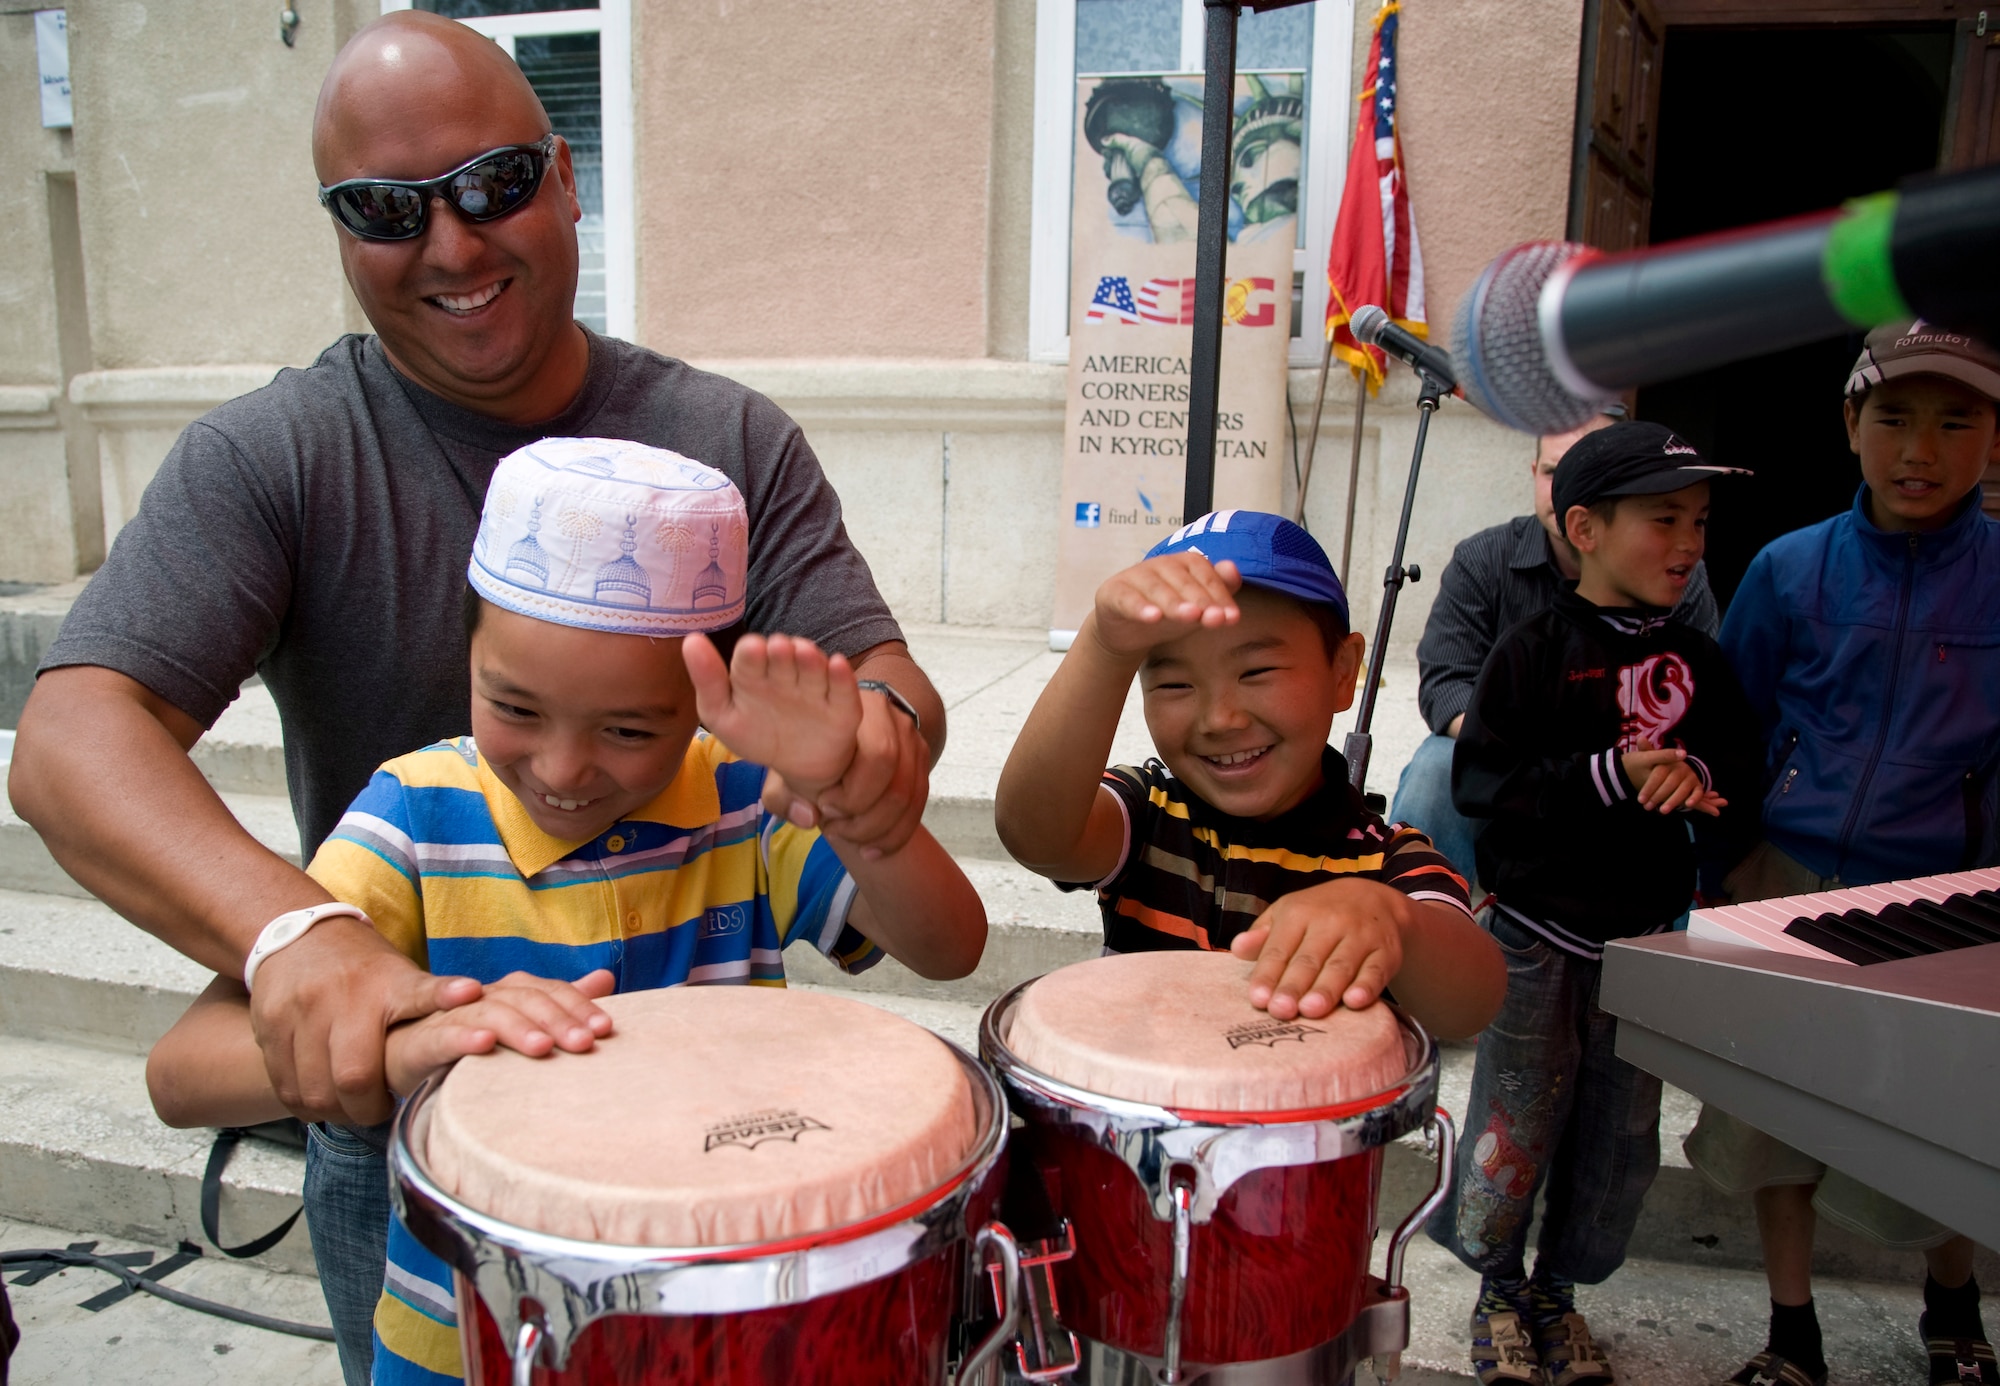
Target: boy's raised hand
782,703
1163,599
532,1015
1337,943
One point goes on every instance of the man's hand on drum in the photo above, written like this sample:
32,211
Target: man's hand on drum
1162,599
532,1015
320,1011
1345,942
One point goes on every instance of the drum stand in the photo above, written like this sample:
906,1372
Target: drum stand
1360,744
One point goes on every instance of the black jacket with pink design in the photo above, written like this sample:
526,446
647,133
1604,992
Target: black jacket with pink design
1562,697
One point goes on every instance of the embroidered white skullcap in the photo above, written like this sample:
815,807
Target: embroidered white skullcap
612,535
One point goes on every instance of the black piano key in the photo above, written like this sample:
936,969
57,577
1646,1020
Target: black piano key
1868,926
1828,934
1980,908
1921,934
1969,934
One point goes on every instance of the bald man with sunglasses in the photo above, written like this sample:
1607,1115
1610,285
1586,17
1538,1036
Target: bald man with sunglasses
316,532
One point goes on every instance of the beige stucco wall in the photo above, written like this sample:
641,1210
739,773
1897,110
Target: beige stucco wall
208,259
1488,102
27,282
813,176
43,508
207,245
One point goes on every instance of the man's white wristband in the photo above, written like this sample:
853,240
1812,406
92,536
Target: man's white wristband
289,928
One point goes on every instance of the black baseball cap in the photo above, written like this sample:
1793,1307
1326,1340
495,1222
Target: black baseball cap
1629,459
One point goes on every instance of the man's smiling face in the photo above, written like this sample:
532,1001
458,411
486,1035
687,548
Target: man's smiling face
1241,713
479,313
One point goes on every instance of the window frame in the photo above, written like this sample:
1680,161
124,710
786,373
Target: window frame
612,23
1054,169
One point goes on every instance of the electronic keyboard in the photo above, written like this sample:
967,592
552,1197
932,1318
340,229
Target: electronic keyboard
1861,1025
1866,924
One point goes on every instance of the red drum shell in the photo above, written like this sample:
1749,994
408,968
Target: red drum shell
1281,1266
895,1329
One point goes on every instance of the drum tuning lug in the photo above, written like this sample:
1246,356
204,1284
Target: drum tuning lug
1183,1193
1045,1351
996,1241
527,1347
1440,1139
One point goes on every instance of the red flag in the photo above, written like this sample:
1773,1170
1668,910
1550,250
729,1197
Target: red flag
1374,258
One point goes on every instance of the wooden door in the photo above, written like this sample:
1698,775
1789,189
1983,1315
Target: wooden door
1620,97
1972,128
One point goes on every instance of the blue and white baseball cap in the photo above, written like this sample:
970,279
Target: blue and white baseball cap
1268,550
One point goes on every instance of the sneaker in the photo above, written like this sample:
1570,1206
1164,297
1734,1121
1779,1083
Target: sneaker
1959,1361
1570,1356
1769,1369
1502,1351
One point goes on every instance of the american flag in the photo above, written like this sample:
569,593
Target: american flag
1167,300
1113,299
1375,257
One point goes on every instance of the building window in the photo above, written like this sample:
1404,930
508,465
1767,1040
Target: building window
1075,38
579,62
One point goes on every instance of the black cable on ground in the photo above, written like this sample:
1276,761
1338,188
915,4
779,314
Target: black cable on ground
13,1260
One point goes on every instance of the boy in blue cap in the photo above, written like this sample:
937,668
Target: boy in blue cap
1245,834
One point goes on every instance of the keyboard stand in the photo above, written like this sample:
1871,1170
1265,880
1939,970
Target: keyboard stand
1890,1072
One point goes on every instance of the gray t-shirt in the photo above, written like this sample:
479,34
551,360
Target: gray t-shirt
317,530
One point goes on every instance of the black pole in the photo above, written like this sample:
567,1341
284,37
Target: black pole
1211,244
1359,743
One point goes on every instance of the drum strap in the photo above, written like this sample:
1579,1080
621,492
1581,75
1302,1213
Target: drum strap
226,1141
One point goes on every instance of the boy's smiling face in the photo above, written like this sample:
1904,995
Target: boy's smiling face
1924,441
1241,713
583,726
1646,553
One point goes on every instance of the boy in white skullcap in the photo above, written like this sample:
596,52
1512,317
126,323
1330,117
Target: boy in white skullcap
602,828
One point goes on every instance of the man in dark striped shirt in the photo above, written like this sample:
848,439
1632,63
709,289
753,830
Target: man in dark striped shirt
1496,579
1245,833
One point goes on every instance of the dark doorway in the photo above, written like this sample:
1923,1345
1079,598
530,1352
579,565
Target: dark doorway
1763,123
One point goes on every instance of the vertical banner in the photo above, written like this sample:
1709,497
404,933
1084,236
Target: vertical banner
1131,316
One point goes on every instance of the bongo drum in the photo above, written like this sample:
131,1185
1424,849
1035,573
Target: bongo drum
740,1186
1216,1167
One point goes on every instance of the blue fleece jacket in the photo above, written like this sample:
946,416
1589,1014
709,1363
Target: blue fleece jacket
1873,660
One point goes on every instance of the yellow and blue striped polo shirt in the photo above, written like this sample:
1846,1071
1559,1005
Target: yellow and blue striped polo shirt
701,886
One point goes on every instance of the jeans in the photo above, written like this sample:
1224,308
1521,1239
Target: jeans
1553,1110
347,1211
1423,800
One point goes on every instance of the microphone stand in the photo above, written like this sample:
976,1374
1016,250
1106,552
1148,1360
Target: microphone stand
1359,743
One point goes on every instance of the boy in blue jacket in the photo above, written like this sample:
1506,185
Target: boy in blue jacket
1869,645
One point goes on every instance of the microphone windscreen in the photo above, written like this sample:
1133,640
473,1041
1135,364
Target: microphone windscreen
1498,348
1367,323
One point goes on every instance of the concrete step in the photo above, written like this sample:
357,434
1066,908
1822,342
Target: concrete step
72,970
81,1147
25,863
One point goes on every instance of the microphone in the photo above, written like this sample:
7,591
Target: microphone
1372,326
1551,330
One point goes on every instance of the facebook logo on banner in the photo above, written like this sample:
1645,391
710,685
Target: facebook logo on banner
1089,514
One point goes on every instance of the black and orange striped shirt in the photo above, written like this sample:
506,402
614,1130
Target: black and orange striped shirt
1192,876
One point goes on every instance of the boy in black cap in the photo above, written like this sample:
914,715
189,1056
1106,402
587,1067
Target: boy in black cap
1600,729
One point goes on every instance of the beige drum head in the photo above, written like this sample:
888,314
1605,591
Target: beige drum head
712,1116
1177,1030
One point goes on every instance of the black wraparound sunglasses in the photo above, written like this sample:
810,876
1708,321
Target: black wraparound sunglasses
489,186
